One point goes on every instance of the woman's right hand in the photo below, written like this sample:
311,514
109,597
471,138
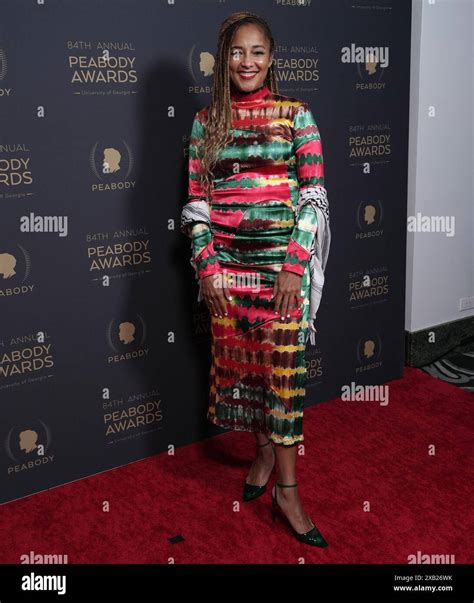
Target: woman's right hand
216,293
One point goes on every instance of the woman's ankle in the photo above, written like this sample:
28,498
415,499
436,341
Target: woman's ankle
288,494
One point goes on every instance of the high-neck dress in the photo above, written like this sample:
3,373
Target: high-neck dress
258,372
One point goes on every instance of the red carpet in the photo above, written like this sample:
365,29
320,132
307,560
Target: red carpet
355,452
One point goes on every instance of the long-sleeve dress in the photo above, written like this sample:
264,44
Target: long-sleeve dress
258,372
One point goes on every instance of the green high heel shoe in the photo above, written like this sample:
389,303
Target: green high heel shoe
312,536
250,491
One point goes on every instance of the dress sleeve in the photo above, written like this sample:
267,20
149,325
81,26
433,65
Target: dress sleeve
310,174
200,233
203,250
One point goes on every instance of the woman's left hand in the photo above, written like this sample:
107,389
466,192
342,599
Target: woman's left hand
287,288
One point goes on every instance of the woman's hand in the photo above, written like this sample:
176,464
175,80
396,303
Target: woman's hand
215,293
287,287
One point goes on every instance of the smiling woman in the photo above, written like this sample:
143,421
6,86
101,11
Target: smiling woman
255,206
250,59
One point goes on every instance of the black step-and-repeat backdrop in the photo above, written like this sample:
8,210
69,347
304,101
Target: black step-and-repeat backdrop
104,349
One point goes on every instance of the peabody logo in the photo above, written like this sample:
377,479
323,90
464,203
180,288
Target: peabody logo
15,169
369,220
369,352
314,365
124,248
371,62
26,358
110,63
132,415
28,447
368,286
201,68
294,3
371,143
127,338
15,267
111,165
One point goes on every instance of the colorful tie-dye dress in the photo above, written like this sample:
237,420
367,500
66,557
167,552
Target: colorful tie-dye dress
258,371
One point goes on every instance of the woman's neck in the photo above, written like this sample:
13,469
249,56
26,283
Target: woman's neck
249,91
255,94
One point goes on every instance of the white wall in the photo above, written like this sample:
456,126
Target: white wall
440,269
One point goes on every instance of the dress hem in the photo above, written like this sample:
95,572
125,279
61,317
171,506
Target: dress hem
276,439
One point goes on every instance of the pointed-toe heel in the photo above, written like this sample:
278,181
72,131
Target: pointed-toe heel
250,491
312,537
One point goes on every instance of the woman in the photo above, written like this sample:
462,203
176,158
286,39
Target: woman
256,195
